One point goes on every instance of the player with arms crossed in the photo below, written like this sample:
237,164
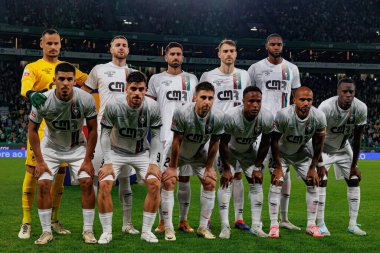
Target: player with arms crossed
172,89
229,83
242,126
195,125
125,124
277,78
345,115
64,112
37,78
110,80
294,127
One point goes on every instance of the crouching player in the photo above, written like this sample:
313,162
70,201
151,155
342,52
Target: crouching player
242,126
345,115
294,127
64,112
195,125
125,125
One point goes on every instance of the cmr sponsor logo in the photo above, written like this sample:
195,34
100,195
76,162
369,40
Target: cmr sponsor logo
341,130
198,138
117,86
275,85
245,140
176,95
133,133
297,139
66,125
228,95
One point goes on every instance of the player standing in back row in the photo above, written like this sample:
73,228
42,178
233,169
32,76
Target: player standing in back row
277,78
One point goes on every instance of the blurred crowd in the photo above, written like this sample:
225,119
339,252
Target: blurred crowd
325,20
14,108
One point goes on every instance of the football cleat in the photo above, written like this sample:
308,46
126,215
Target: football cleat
314,231
88,237
59,228
149,237
44,238
105,238
161,227
185,227
288,225
25,230
356,230
323,229
274,232
205,233
225,233
239,224
130,229
170,234
258,232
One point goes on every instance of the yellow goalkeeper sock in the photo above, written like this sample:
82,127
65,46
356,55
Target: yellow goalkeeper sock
56,193
28,191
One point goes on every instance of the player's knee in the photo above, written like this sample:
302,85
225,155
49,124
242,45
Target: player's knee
170,184
238,176
323,183
183,179
105,187
86,183
353,182
209,184
44,186
153,185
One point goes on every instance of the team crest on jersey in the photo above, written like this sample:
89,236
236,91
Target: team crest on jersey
110,73
75,111
257,130
167,82
218,82
309,129
142,119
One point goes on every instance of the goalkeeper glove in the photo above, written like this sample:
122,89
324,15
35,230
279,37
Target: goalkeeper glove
36,97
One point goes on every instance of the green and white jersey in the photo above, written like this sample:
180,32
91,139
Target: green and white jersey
171,91
341,123
228,87
130,126
243,132
276,82
196,130
64,120
297,132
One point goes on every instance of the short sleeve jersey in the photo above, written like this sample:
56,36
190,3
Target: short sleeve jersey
243,132
196,130
276,82
171,92
341,123
64,119
228,87
297,132
110,80
130,126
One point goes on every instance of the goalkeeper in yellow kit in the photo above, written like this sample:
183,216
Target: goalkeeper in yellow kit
36,79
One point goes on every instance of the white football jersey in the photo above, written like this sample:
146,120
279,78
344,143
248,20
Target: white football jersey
196,130
243,132
297,132
109,79
341,123
64,120
171,92
276,82
228,87
130,126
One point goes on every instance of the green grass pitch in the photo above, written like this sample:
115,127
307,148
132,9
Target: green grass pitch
12,173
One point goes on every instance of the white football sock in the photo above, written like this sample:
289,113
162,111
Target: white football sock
238,197
148,221
321,206
184,197
285,197
45,219
224,197
88,219
353,197
126,196
312,204
106,221
256,197
207,205
274,204
167,204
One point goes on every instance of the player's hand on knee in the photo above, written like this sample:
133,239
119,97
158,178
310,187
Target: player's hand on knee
88,167
355,172
226,178
153,170
209,173
312,177
277,176
106,170
257,177
40,169
322,173
169,173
